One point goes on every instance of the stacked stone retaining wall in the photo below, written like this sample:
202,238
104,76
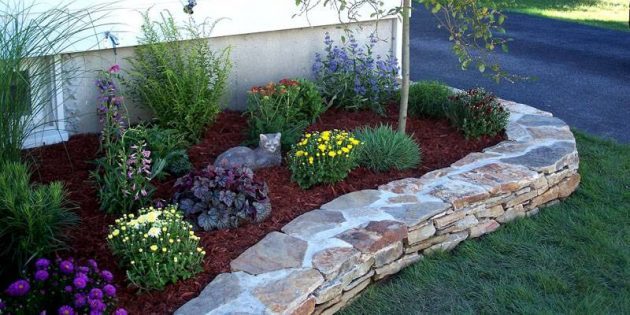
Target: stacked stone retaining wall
323,259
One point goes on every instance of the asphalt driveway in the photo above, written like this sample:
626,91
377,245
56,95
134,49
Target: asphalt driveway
583,72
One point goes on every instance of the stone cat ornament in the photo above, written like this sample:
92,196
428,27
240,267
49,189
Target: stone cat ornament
266,155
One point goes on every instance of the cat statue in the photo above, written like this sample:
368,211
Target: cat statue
266,155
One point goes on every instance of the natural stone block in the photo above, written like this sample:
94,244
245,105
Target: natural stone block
337,260
549,195
421,234
332,288
508,147
498,178
522,191
404,186
396,266
223,290
402,199
517,132
274,252
514,107
520,199
356,199
483,227
307,307
461,225
512,213
492,212
547,159
568,185
458,193
375,236
358,281
547,133
447,220
388,254
319,308
313,222
451,241
474,157
539,121
532,212
415,214
287,294
427,243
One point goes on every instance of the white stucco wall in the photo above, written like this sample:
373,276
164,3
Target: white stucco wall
257,59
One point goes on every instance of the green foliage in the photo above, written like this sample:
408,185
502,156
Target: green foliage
428,99
384,148
168,149
287,107
156,248
124,178
26,97
177,75
323,158
32,217
477,113
570,258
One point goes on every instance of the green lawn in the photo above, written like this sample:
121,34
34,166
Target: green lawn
571,258
603,13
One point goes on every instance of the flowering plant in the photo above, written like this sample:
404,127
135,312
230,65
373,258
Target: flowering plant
286,107
156,247
325,157
125,170
351,77
222,198
477,113
62,287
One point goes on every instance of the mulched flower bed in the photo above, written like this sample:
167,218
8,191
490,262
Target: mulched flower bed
441,145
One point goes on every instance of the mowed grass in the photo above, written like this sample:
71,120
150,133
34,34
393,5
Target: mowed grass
573,257
611,14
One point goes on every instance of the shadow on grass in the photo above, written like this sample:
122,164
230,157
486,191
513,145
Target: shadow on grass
572,257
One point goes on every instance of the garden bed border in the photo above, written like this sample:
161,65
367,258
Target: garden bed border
324,258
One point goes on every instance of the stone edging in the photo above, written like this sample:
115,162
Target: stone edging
324,258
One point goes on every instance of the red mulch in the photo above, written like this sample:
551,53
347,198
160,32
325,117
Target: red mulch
69,162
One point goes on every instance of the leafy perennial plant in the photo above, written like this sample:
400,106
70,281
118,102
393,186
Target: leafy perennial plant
351,77
477,113
325,157
157,247
220,198
287,107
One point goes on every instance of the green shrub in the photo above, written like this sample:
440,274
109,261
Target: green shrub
384,149
477,113
287,107
167,145
325,157
177,75
428,99
156,248
32,217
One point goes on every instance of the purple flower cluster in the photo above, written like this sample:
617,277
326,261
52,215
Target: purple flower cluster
352,76
76,289
110,109
138,171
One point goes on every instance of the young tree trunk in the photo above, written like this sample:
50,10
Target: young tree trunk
404,89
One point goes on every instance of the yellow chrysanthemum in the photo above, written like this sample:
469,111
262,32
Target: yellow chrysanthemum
116,232
153,248
299,153
345,150
332,153
310,160
322,147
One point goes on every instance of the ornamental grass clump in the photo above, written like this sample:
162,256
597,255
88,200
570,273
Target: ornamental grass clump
156,247
287,107
62,287
384,149
32,217
477,113
323,157
428,99
221,198
351,77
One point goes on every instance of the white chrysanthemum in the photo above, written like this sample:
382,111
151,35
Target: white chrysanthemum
154,232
